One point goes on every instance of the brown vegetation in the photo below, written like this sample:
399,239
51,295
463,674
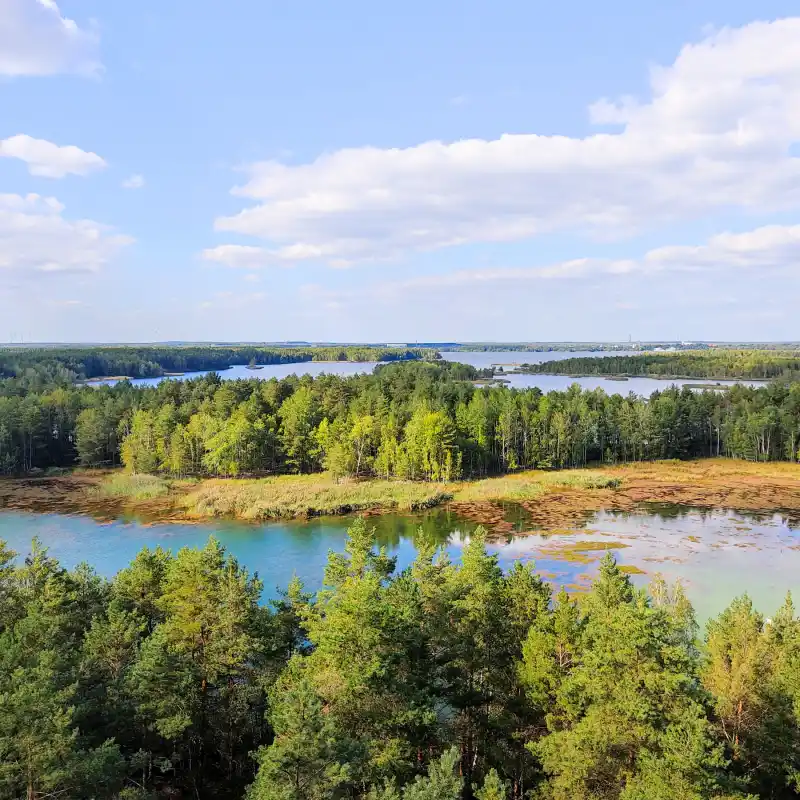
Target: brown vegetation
545,500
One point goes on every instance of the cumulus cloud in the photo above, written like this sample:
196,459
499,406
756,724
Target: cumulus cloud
35,39
134,182
48,160
719,130
772,247
35,237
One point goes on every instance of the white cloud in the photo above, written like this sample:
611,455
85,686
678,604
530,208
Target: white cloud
715,133
766,247
35,237
240,256
48,160
134,182
35,39
772,247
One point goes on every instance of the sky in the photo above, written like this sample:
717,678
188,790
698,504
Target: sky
356,171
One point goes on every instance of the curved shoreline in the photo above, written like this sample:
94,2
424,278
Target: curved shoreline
550,500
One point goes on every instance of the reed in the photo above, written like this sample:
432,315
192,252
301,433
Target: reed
308,496
530,485
134,487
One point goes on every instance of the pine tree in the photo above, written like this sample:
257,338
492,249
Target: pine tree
628,719
493,788
304,762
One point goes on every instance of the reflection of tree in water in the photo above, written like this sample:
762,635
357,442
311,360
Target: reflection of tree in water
438,526
791,520
672,511
518,516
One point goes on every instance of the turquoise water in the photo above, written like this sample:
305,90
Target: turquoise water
482,360
729,553
275,550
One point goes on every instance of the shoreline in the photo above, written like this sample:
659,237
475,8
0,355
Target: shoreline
548,500
103,378
627,376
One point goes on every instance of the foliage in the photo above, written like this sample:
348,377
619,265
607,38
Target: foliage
39,366
418,421
445,681
715,363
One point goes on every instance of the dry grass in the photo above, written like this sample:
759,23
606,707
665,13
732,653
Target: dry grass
126,486
316,495
552,500
631,569
580,552
532,485
308,495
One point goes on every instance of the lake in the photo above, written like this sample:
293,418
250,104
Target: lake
479,359
508,359
717,555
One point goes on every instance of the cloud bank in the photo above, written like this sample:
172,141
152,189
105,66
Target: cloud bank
716,133
36,238
772,247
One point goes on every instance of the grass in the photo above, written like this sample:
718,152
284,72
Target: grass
309,496
317,495
553,499
579,552
531,485
124,485
630,569
587,547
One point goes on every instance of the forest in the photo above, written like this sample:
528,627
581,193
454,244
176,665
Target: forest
757,365
416,420
448,681
38,367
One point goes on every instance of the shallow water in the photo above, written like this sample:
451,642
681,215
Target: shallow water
480,359
729,553
717,555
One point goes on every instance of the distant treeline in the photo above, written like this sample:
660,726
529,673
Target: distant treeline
532,347
447,681
47,365
717,364
418,420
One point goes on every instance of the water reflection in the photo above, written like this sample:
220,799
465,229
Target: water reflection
716,554
479,359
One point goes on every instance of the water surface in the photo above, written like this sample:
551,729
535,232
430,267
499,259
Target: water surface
313,368
717,555
480,359
508,360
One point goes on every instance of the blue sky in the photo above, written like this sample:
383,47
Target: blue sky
433,171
